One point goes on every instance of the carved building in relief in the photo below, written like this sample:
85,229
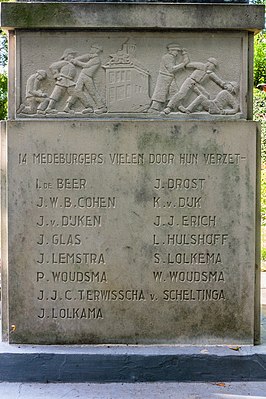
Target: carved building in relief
127,81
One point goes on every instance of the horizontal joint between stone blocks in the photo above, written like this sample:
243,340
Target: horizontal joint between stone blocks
132,16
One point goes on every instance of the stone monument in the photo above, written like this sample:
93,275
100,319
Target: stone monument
130,159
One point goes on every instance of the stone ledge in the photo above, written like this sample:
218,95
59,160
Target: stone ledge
132,16
26,363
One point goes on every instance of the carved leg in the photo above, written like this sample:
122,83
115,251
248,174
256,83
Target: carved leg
155,107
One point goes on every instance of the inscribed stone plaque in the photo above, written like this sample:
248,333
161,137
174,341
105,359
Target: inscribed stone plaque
131,232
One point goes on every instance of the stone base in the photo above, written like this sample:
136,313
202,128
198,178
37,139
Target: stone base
146,238
131,364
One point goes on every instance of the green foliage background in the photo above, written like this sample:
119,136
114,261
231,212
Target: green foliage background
259,53
3,74
263,198
260,58
259,114
3,96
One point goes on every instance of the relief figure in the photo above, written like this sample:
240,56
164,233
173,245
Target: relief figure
167,75
64,73
202,72
90,64
35,99
225,102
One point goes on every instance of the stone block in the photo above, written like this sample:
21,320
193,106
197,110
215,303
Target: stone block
132,75
131,232
132,16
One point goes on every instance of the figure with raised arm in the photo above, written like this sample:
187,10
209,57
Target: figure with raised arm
90,64
167,75
64,73
202,73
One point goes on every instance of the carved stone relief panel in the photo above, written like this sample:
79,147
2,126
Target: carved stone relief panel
110,74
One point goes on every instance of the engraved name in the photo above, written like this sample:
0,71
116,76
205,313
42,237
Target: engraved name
81,221
63,184
194,295
198,221
112,295
73,277
80,202
181,202
189,276
197,258
73,258
61,239
186,221
71,184
197,239
192,239
71,221
180,184
71,313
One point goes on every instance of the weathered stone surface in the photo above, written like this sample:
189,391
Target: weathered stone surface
132,16
123,74
137,1
131,232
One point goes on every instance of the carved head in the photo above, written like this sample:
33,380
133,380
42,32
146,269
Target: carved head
95,48
233,87
68,54
41,74
212,63
173,48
